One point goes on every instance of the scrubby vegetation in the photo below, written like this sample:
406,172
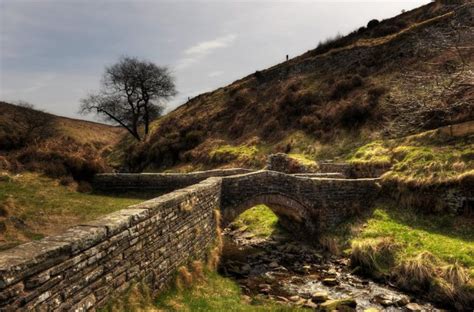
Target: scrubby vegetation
370,85
31,140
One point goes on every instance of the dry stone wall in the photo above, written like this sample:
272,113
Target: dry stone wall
80,269
157,182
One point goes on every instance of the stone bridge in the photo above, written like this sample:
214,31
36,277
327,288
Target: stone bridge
306,206
305,203
82,269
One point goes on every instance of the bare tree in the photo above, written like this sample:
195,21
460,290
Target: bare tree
132,95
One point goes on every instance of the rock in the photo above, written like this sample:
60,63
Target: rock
309,304
274,264
330,282
338,304
320,296
402,301
331,273
371,310
281,298
246,268
414,307
246,298
295,298
384,300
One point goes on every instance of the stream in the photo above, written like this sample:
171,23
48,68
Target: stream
280,269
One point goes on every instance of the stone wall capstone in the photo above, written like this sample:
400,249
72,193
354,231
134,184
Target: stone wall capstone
157,182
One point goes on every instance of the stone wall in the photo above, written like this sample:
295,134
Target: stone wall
80,269
157,182
354,171
452,197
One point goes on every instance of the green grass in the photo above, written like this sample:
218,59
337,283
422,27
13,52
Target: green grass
374,152
447,238
431,256
215,293
47,208
259,220
425,158
236,152
303,159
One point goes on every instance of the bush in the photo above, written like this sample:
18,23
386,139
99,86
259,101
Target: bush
310,123
258,75
354,113
62,158
372,23
374,94
344,87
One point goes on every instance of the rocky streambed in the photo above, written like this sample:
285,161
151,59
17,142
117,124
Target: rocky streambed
296,274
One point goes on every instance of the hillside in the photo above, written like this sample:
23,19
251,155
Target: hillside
389,79
57,146
45,163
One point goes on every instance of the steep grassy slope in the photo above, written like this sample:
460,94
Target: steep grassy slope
57,146
398,77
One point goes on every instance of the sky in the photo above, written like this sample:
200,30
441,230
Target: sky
53,52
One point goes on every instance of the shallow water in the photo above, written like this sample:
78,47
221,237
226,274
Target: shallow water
290,272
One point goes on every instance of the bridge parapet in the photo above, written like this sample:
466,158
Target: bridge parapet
307,206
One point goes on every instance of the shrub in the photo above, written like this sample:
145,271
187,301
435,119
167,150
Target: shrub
354,114
310,122
239,101
372,23
374,95
269,128
344,87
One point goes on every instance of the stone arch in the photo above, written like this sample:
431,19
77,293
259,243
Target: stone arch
292,214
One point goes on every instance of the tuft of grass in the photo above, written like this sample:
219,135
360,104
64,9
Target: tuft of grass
374,256
214,294
304,159
259,220
226,153
373,153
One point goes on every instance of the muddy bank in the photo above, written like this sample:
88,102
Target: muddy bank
280,269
